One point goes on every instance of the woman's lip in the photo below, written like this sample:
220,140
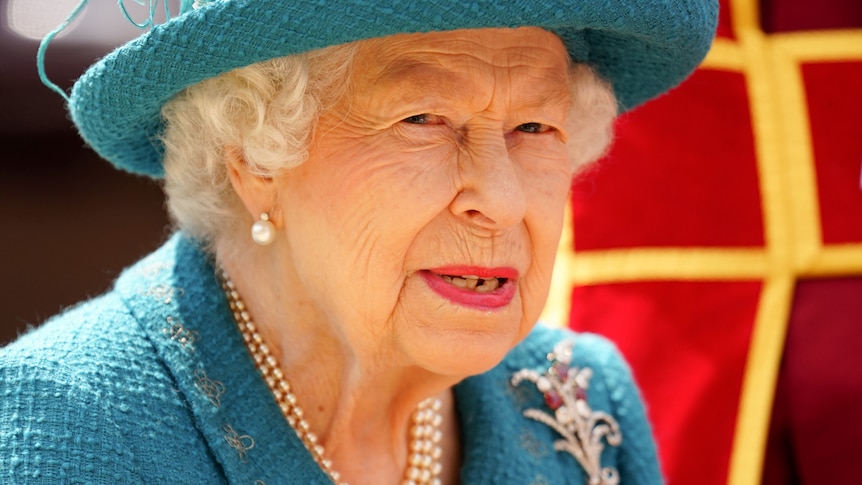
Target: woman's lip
491,300
480,271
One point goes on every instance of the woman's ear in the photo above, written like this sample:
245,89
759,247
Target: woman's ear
256,192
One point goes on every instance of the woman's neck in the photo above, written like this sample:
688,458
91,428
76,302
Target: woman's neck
358,402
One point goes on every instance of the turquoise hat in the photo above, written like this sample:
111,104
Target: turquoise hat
643,47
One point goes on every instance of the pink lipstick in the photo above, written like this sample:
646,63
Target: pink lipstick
473,286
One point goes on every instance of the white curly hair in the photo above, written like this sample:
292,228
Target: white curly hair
269,109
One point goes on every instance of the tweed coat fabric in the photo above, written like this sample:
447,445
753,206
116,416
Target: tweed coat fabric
151,383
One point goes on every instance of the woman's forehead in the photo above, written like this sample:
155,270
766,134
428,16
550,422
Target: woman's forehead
525,44
462,57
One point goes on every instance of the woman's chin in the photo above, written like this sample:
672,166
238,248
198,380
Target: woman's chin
454,338
460,352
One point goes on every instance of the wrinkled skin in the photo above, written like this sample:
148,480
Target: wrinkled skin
449,149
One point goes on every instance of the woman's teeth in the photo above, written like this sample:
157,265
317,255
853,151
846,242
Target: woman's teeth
470,282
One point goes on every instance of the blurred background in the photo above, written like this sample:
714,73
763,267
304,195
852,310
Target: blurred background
71,222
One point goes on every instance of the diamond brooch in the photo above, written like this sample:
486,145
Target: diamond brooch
583,430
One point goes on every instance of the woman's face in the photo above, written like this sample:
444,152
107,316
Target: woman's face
422,228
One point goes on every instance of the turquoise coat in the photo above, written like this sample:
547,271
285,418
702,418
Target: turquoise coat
151,384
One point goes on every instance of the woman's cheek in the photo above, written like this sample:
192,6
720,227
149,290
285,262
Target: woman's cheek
545,224
534,293
543,157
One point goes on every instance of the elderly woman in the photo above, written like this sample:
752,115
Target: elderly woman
369,199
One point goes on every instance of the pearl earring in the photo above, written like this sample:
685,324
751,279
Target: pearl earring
263,231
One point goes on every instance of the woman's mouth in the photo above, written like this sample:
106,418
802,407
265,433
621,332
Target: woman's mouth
474,287
472,282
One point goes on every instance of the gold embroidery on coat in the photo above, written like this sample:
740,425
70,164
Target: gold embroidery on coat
240,443
180,334
210,388
154,269
165,293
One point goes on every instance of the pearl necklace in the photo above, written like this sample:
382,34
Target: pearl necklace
423,465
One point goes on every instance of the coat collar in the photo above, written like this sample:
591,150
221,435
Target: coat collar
177,299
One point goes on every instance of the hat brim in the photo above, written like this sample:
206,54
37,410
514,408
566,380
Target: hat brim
643,48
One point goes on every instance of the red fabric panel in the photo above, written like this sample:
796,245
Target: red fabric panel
835,110
681,173
791,15
816,420
687,343
725,29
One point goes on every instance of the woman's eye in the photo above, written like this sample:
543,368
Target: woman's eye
423,119
533,128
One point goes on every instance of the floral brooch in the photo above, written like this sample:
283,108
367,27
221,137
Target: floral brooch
565,391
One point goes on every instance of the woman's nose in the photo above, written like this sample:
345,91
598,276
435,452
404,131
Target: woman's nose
491,193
